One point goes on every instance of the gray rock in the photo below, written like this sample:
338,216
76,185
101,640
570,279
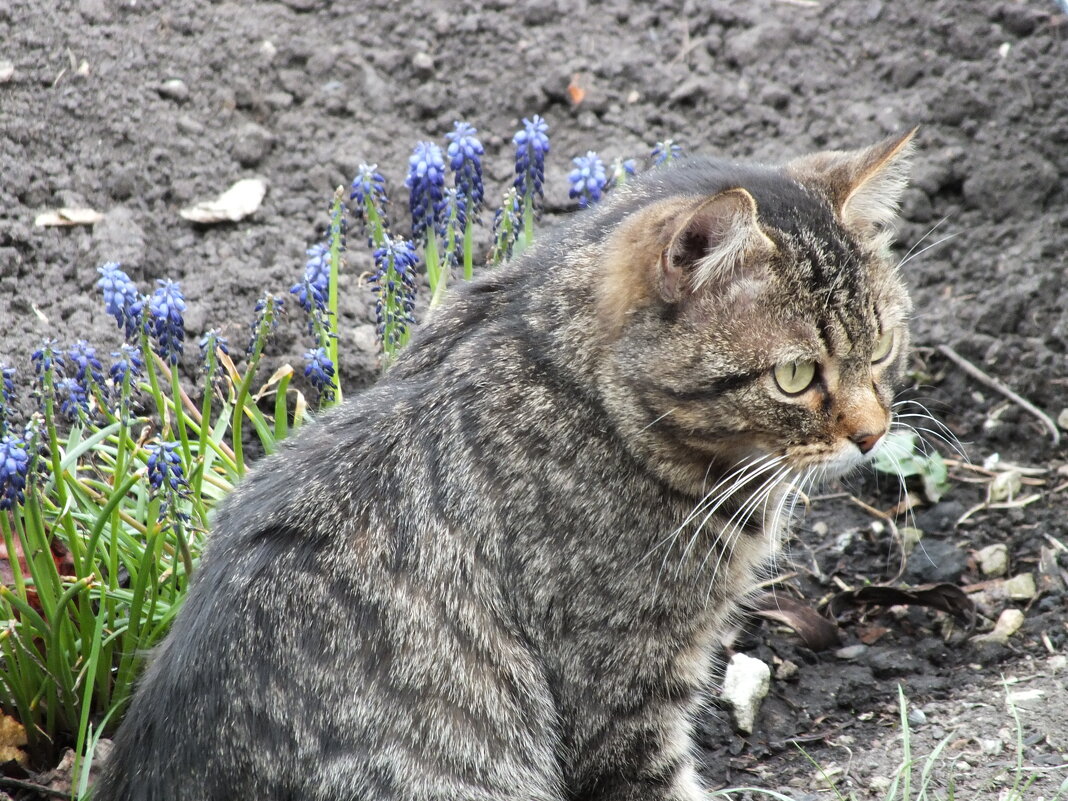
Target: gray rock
935,561
252,144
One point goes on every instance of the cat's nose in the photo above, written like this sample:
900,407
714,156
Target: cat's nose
866,441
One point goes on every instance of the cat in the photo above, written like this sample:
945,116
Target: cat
501,572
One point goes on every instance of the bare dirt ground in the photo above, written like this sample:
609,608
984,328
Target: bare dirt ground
137,108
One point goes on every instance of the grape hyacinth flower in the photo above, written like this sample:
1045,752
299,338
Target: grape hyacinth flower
7,395
121,298
313,291
87,367
426,183
46,359
14,466
666,152
210,342
507,224
620,171
587,180
465,160
320,371
531,147
165,309
393,284
266,307
127,362
165,466
74,402
368,187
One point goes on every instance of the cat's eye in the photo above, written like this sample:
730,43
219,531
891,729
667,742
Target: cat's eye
883,347
794,378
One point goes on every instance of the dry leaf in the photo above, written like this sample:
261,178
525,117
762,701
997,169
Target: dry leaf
944,597
67,217
817,632
575,93
236,203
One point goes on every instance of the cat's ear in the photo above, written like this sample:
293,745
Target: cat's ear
865,185
712,243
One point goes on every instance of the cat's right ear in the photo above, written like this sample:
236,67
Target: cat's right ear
670,250
712,244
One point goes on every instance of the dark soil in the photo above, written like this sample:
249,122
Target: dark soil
301,91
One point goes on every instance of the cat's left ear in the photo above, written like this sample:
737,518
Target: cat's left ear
864,186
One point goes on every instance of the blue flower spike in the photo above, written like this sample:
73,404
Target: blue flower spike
312,293
14,465
122,299
319,371
666,152
368,187
167,325
165,466
587,180
127,361
393,284
531,147
465,160
87,366
426,184
7,395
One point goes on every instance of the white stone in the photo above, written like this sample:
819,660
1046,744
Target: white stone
1021,587
744,687
994,559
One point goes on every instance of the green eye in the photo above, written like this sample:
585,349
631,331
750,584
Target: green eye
883,347
794,378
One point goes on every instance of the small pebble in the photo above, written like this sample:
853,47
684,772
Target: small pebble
423,63
7,71
1021,587
174,89
851,651
880,784
994,559
1062,418
917,717
1009,623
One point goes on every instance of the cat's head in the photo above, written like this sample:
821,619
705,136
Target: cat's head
754,312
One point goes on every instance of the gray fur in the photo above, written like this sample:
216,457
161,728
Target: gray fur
489,577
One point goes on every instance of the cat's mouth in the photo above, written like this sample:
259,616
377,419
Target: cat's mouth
834,461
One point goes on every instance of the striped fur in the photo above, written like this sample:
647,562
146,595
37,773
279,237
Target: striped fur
501,572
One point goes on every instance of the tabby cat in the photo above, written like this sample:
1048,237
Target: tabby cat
501,572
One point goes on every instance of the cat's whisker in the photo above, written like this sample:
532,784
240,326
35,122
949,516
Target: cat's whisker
709,510
744,471
709,497
919,241
739,482
946,435
731,530
919,253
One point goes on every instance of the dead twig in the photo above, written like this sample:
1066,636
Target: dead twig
998,386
